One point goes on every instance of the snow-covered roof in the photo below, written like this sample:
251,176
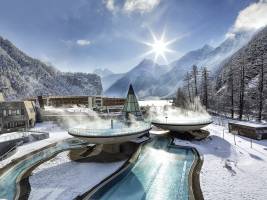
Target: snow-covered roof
250,124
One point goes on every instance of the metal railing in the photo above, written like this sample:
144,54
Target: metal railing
2,157
13,136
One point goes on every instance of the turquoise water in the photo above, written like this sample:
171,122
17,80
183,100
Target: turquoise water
161,172
8,180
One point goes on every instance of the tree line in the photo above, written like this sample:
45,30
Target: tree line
236,95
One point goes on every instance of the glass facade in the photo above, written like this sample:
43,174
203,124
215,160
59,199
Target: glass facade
131,105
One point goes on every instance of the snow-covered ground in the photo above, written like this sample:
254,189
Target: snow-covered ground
231,171
61,178
55,134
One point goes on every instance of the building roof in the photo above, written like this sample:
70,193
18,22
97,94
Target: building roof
2,97
131,105
249,124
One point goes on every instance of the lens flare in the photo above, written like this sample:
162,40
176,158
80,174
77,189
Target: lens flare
159,46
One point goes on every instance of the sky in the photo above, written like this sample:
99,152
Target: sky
82,35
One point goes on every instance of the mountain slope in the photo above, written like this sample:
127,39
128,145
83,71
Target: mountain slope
206,56
165,83
143,77
109,80
102,72
24,76
251,57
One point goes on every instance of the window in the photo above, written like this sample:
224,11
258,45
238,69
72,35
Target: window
18,112
22,111
9,112
13,112
4,113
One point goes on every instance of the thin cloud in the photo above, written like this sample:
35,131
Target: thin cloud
83,42
140,5
129,6
251,18
110,5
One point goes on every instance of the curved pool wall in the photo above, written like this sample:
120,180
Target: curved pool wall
9,179
162,171
118,129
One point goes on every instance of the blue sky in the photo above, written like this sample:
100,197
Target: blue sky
81,35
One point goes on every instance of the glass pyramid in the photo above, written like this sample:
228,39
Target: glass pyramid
131,105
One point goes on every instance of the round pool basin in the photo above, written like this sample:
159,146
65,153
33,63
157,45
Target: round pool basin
111,135
183,126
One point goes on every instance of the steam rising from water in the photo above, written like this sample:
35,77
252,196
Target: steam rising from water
193,113
85,118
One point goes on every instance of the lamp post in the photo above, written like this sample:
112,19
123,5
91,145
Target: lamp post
166,119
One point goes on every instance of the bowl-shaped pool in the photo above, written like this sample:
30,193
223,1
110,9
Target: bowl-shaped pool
119,132
182,125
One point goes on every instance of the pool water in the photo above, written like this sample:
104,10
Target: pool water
8,180
161,172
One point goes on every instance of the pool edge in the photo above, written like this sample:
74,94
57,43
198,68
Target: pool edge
128,163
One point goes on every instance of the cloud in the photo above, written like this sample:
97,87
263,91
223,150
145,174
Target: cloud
83,42
130,6
251,18
140,5
110,5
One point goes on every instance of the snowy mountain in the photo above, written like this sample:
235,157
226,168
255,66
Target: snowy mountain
164,83
251,56
23,76
169,82
207,56
102,72
144,78
109,80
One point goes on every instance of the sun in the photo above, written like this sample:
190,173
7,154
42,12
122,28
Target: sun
159,47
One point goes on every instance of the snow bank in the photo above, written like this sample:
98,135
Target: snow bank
231,171
61,178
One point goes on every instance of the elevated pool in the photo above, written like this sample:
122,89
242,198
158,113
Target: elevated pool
162,171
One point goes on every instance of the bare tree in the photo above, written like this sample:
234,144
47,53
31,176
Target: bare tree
187,80
241,89
181,100
261,87
205,77
195,76
231,88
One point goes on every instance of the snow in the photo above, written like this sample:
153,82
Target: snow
159,103
74,178
231,171
59,177
251,124
55,134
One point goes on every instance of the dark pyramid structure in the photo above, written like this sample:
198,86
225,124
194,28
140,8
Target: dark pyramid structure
131,106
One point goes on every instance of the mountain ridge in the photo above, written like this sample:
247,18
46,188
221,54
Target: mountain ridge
23,76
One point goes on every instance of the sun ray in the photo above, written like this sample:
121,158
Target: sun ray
159,47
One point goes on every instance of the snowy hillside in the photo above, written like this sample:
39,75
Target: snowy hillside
165,82
144,78
23,76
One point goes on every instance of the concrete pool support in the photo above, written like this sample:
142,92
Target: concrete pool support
111,143
194,189
12,174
